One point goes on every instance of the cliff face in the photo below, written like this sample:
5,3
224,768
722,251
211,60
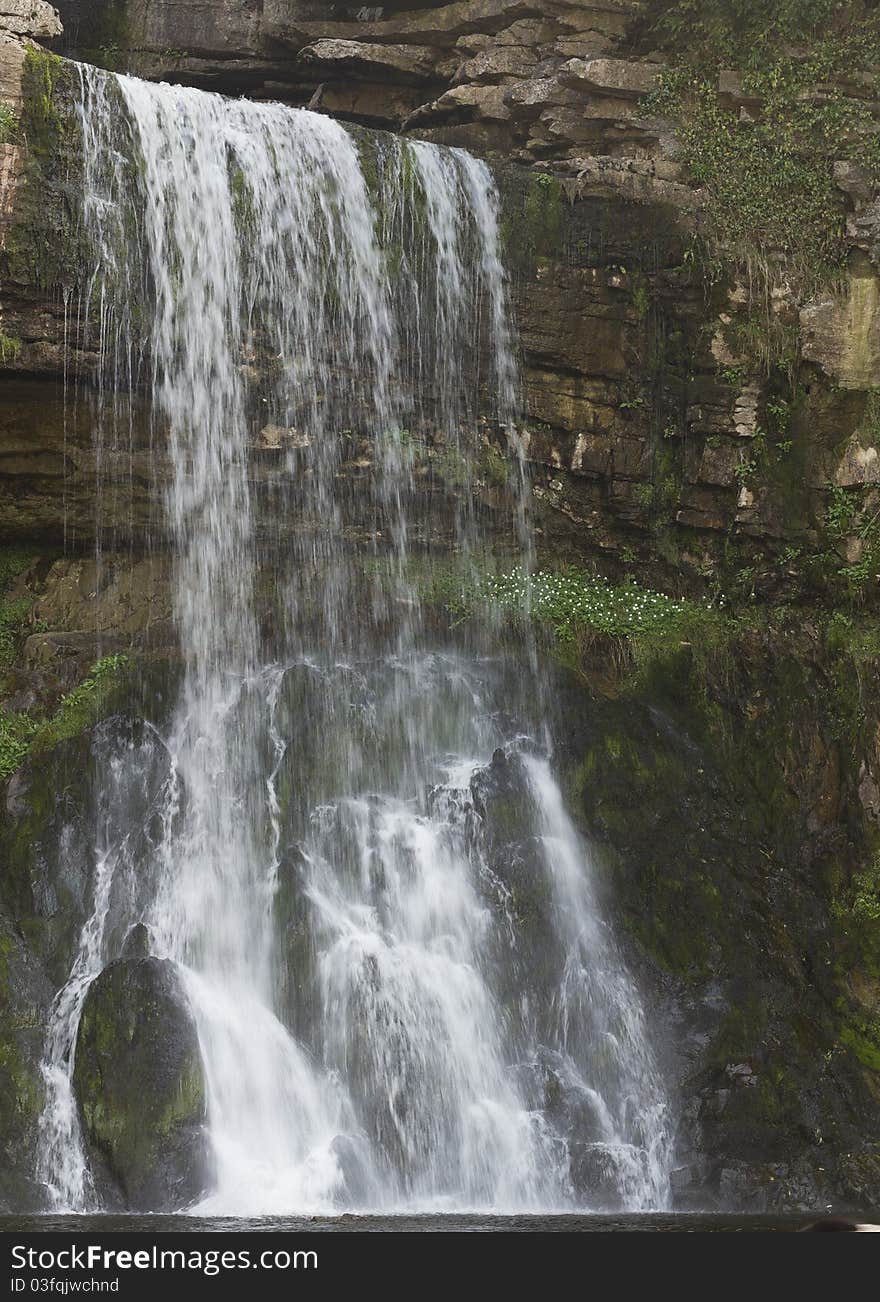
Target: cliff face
697,406
702,411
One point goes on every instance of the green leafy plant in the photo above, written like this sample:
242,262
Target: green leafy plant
771,206
16,731
8,124
81,706
10,347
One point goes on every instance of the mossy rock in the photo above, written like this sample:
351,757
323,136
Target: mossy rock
25,996
140,1087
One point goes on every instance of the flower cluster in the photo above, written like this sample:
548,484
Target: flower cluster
570,600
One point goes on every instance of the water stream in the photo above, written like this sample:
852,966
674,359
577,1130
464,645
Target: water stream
324,850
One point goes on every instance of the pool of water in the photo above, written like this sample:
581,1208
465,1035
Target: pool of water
477,1224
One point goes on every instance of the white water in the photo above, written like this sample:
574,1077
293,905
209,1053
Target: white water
319,877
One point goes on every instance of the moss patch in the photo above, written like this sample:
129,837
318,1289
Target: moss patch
83,706
771,203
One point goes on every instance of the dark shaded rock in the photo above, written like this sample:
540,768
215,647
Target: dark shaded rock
25,995
502,798
137,943
355,1159
140,1087
515,877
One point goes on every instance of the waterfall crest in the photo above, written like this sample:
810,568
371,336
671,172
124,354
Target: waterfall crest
325,860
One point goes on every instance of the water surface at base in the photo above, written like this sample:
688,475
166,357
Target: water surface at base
474,1224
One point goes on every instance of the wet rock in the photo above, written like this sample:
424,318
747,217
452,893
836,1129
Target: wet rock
354,1157
501,796
516,877
140,1088
137,942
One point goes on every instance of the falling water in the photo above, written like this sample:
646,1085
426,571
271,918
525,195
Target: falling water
374,1028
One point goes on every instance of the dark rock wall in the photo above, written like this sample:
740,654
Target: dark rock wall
653,433
735,793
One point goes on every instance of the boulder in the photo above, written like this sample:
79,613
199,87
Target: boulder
140,1087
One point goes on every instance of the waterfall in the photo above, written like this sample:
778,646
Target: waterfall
328,310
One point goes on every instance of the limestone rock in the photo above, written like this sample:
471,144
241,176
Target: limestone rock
858,466
140,1087
854,180
614,77
842,335
463,103
636,179
364,59
718,464
863,229
731,93
33,18
495,63
11,68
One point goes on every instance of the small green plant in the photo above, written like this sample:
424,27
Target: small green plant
771,205
641,300
16,731
80,707
8,124
866,893
493,465
731,375
571,599
840,511
10,348
13,619
13,611
452,466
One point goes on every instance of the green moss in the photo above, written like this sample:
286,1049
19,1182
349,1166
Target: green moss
20,1094
533,223
81,708
43,240
641,298
863,1038
42,125
767,177
493,466
452,466
543,215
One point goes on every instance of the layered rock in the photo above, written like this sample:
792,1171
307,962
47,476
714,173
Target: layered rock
477,62
650,435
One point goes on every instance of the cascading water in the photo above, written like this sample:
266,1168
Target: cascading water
326,860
